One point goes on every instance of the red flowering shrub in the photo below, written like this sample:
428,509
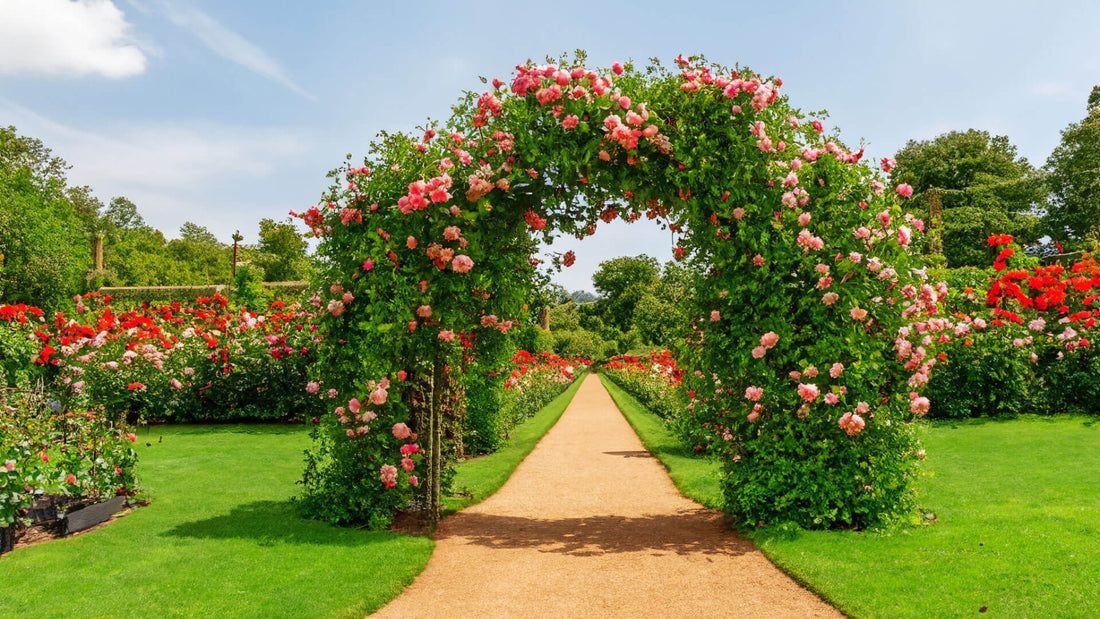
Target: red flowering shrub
808,266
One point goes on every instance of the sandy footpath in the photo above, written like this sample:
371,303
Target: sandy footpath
591,525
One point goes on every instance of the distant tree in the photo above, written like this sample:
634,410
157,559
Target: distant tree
44,249
565,317
281,252
580,297
1073,177
983,187
622,282
122,214
202,258
661,314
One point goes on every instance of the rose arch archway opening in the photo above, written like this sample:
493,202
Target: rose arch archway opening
804,355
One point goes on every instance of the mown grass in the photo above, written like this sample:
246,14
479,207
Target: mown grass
1017,533
478,478
221,538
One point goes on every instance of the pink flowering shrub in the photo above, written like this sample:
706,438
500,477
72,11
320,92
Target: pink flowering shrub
810,264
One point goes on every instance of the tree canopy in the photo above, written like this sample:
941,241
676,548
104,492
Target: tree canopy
1073,177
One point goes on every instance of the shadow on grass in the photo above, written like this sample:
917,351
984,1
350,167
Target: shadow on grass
690,531
273,522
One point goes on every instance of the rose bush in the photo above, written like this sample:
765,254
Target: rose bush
808,260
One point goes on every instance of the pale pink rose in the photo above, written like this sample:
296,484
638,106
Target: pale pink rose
617,68
411,242
858,313
754,393
831,398
855,425
752,417
462,263
401,431
919,406
413,481
388,475
795,375
829,298
570,121
836,370
804,219
715,316
904,190
758,352
447,335
821,268
335,307
378,396
758,260
808,392
904,235
354,406
979,323
738,213
311,386
347,298
424,311
811,372
862,232
863,408
1037,324
769,339
451,233
408,464
855,256
335,288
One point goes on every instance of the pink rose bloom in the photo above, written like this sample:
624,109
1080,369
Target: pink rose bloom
863,408
829,298
811,372
388,475
855,256
413,481
904,189
808,392
795,375
336,307
447,335
401,431
368,264
451,233
410,449
335,288
462,264
715,316
424,311
758,260
570,121
979,323
347,298
752,417
858,313
862,232
617,68
354,406
754,393
831,398
312,387
171,381
378,396
402,375
738,213
769,339
919,406
821,268
836,369
411,242
758,352
804,219
408,464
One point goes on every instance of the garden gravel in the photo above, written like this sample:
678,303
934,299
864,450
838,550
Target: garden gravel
591,525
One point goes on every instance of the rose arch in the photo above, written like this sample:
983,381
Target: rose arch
802,375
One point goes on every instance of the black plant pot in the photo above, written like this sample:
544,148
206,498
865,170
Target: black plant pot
7,539
90,516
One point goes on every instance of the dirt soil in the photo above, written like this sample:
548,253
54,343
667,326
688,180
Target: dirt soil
591,525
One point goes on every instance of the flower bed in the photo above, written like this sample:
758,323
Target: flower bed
75,458
200,361
655,381
494,408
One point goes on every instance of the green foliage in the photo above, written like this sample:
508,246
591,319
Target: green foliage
984,374
565,317
579,343
1073,177
983,186
1070,381
248,288
282,252
621,283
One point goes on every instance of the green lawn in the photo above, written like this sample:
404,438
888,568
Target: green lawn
220,538
1018,530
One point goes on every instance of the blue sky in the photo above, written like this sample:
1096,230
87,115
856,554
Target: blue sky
223,113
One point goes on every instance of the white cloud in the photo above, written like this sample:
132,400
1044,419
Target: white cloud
229,44
66,38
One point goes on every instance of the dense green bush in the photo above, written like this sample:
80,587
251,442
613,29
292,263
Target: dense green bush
1070,383
982,373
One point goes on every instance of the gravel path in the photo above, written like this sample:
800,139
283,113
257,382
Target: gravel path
591,525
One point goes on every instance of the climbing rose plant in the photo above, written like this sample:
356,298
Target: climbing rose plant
810,281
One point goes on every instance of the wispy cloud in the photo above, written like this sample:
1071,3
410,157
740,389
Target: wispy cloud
169,169
65,38
229,44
